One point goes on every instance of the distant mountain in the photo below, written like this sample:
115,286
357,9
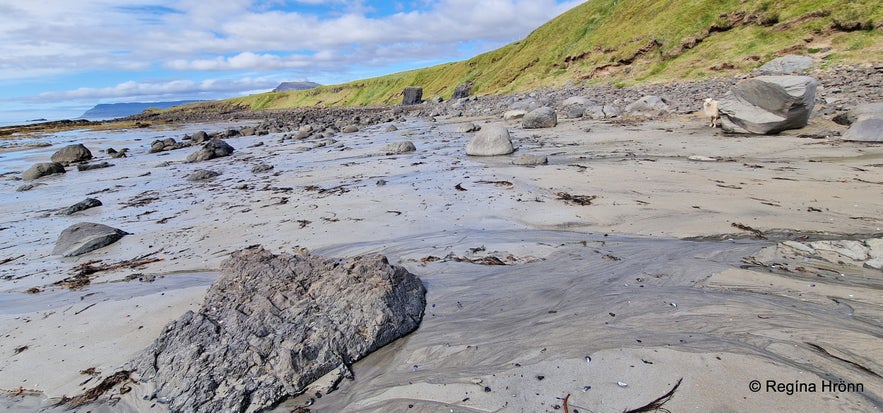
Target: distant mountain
287,86
120,110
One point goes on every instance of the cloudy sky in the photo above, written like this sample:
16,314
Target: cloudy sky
58,58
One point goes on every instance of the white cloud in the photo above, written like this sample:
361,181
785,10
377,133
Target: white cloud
260,41
159,90
195,34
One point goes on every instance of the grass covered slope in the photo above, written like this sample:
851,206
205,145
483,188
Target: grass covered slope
628,41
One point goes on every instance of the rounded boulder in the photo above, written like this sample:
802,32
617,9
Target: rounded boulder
490,141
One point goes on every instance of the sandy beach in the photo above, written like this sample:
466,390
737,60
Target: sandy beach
606,305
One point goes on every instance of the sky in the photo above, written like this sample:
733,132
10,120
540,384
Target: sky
58,58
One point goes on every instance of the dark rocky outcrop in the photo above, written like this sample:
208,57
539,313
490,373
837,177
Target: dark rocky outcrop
72,154
214,148
491,140
412,95
272,324
81,206
167,144
85,237
199,137
42,169
768,104
544,117
463,90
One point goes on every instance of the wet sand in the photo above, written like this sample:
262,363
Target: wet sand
647,280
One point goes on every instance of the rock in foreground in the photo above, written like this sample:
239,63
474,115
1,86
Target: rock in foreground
272,324
768,104
490,141
42,169
85,237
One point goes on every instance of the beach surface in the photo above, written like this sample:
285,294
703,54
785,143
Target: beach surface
627,266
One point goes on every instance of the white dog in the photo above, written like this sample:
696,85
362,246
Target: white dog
711,112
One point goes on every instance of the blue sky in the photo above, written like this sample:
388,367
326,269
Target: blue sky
59,58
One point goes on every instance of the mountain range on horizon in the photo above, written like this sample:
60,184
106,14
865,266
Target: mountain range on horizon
121,110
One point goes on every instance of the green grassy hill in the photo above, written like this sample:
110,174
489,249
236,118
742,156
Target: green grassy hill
631,41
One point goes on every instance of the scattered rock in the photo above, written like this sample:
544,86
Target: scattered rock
25,187
272,324
202,175
395,148
490,141
81,206
412,95
514,114
577,100
72,154
199,137
85,237
867,128
248,131
261,167
91,166
787,65
468,127
768,104
214,148
869,109
574,111
167,144
118,154
350,129
42,169
649,106
530,160
391,128
598,112
866,123
544,117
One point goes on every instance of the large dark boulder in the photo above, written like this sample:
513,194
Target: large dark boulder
272,324
768,104
462,90
214,148
85,237
42,169
72,154
412,95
